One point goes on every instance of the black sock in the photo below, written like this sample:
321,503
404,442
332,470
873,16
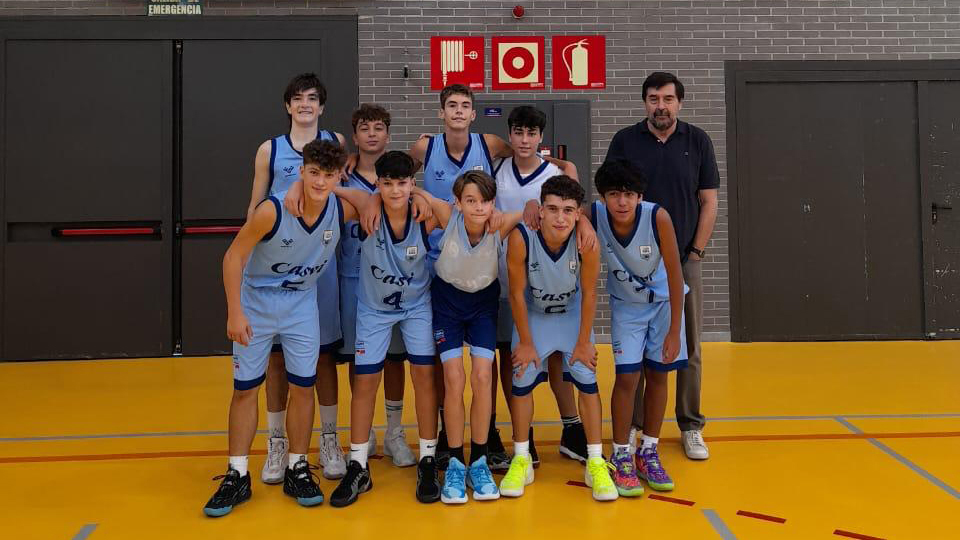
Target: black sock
457,452
477,451
493,421
570,420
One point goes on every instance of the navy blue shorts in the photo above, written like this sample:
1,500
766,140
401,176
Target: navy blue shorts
460,317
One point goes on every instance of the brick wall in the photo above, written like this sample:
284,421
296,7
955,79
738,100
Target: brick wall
689,37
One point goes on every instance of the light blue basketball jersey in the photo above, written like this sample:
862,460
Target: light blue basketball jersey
393,271
553,279
293,254
285,161
440,170
348,257
635,269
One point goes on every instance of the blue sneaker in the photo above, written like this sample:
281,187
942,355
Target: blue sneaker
454,486
481,481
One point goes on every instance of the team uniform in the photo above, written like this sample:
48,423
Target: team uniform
394,291
639,293
441,170
278,294
552,296
348,264
513,191
465,292
285,162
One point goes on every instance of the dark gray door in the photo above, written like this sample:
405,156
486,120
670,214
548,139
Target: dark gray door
830,247
942,188
232,102
87,126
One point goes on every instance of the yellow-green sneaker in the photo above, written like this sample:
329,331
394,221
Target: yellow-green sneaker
597,476
519,475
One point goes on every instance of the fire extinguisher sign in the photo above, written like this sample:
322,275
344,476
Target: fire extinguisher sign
579,62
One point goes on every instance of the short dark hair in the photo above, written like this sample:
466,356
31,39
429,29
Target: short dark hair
484,182
659,79
395,164
564,187
527,116
302,83
454,89
370,112
327,155
620,175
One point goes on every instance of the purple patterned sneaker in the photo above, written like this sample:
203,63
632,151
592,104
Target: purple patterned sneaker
625,475
650,469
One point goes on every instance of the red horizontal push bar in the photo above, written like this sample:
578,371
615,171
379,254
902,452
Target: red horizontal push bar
108,231
212,229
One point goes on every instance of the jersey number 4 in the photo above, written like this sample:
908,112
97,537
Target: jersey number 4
394,300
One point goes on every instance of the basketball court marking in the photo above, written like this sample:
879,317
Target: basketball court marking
718,524
913,466
85,531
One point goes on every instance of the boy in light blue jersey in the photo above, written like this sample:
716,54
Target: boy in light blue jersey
276,169
394,291
465,294
553,297
270,272
646,289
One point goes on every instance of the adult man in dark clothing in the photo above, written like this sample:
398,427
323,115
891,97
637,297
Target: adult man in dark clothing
678,160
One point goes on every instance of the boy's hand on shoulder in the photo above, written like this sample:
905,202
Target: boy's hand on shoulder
350,165
586,239
496,220
671,346
585,353
422,211
293,202
239,330
531,214
523,355
370,218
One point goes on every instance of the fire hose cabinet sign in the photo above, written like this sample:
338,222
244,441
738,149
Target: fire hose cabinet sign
456,60
579,62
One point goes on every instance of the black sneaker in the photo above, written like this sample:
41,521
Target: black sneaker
233,490
356,481
497,458
573,442
428,482
299,482
443,451
534,456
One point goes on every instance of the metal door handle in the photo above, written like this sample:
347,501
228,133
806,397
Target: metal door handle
941,207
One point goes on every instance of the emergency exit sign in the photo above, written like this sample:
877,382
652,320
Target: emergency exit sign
174,7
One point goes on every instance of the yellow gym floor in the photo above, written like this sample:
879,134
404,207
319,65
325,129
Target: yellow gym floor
807,440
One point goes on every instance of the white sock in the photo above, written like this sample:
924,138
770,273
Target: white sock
292,459
594,450
328,419
428,448
358,453
276,423
239,464
394,411
521,448
620,448
647,441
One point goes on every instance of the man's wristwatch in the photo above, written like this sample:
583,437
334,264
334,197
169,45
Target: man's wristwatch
700,252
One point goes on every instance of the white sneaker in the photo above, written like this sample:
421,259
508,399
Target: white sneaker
276,463
331,457
693,444
632,438
396,447
372,443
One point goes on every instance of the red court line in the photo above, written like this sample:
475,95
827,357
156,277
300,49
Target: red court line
683,502
764,517
205,453
859,536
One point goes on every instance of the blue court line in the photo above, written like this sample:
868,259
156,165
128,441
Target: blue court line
500,424
85,532
892,453
718,524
